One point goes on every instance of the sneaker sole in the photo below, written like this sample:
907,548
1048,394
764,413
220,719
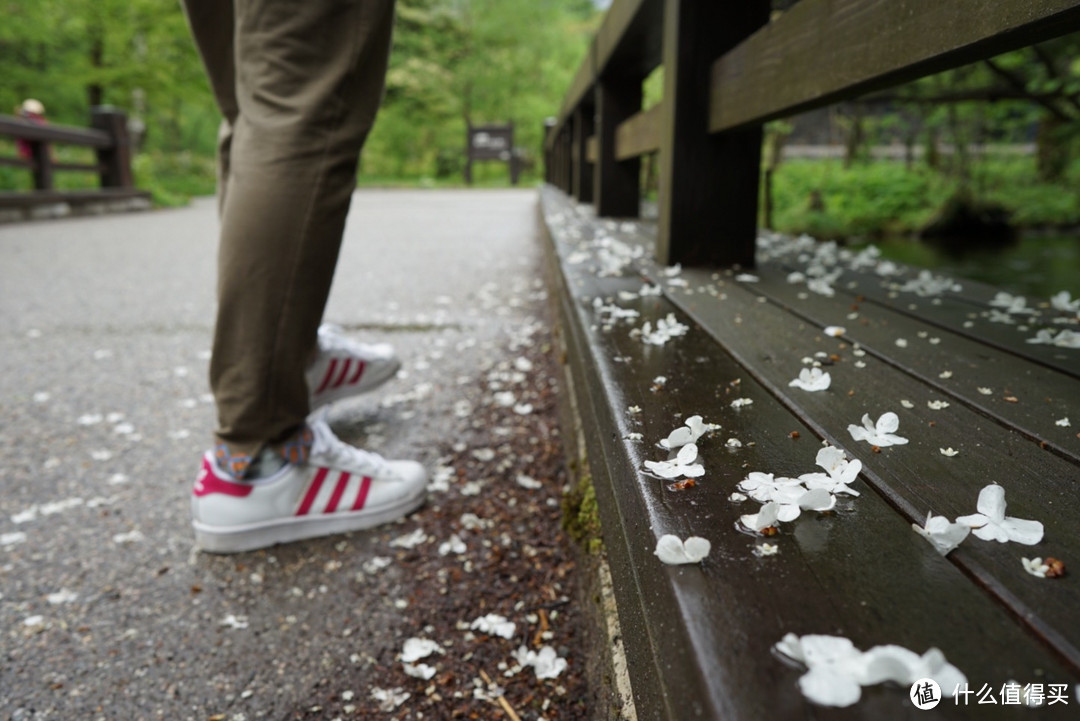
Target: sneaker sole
251,537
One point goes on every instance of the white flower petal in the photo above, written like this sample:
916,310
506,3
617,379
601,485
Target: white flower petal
420,670
975,520
418,648
678,437
830,687
687,454
791,646
1035,567
764,518
991,502
494,624
1022,531
889,663
887,423
943,535
664,469
992,532
697,548
788,512
820,649
817,500
548,664
672,550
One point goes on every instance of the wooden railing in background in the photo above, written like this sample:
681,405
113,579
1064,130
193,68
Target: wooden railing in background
728,69
108,136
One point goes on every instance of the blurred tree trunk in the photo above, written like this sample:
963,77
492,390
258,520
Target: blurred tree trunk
1051,155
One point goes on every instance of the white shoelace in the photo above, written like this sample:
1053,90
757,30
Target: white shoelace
332,451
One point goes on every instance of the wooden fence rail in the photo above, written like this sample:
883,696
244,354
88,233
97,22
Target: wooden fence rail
728,69
108,136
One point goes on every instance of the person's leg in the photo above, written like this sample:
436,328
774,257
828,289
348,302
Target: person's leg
306,79
212,27
309,78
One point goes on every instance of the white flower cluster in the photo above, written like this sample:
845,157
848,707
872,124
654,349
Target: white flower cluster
666,329
837,671
989,524
784,499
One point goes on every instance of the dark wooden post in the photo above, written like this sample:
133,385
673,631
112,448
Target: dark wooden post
546,148
115,159
468,153
564,159
584,123
41,156
617,183
512,159
708,182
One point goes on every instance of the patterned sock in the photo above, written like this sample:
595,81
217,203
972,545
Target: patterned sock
237,464
297,449
269,460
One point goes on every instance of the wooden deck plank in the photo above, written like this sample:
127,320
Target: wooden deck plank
916,478
963,312
708,630
1041,396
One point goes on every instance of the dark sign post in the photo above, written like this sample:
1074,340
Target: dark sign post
491,142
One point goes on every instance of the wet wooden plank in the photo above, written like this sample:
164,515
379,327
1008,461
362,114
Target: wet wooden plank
1027,397
965,312
699,637
821,51
916,478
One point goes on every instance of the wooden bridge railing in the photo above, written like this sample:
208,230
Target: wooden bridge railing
727,69
108,136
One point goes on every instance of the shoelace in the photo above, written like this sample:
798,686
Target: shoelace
339,454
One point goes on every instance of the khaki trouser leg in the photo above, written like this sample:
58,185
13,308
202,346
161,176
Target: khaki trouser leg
298,82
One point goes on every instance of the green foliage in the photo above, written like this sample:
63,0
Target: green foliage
453,62
457,62
135,54
174,178
825,199
880,198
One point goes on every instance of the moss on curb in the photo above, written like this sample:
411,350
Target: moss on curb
581,517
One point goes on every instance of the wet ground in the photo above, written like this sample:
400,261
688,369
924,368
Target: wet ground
106,609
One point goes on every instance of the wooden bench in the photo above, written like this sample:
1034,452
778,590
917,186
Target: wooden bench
109,139
699,638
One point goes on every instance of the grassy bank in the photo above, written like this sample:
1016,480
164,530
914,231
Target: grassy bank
883,198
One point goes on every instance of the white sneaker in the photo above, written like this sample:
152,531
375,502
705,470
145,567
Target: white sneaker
345,367
339,489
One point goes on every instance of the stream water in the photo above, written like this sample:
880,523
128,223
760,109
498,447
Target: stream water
1035,264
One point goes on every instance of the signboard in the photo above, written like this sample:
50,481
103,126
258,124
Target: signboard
491,142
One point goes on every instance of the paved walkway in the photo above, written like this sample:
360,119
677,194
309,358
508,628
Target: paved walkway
105,610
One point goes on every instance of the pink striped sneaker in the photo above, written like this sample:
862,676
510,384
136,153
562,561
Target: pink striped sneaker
339,489
344,367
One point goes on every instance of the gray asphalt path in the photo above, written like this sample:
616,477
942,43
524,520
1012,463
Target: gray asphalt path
105,609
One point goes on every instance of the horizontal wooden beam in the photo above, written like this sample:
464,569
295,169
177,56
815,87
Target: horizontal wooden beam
638,135
94,168
19,128
582,84
628,41
17,162
822,51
